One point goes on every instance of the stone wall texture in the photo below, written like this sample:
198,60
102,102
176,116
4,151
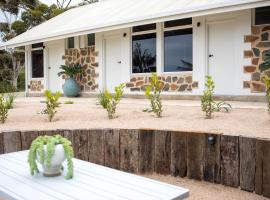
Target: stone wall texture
260,44
88,81
36,86
170,83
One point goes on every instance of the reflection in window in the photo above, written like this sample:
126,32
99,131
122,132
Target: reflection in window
70,43
91,39
144,53
178,50
37,64
262,15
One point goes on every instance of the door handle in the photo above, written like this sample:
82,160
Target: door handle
49,67
211,55
119,62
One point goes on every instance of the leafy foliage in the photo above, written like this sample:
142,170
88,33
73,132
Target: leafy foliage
51,104
6,87
207,101
153,93
3,109
71,70
109,101
266,58
10,100
46,154
266,80
102,100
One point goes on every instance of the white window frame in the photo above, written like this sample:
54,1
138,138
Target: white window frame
163,44
131,46
31,63
253,20
66,43
86,39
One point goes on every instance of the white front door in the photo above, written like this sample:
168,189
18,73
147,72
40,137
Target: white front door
113,63
221,56
54,62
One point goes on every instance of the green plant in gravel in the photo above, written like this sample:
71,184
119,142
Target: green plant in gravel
102,100
266,80
208,104
109,101
52,104
153,93
3,109
46,154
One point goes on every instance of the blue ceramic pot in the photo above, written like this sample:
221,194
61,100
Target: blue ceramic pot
71,88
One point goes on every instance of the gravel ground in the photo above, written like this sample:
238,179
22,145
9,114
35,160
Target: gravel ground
250,119
200,190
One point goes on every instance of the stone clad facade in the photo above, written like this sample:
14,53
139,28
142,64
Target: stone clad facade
36,86
88,81
260,44
170,83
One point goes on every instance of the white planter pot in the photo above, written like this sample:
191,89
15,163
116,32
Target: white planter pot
56,162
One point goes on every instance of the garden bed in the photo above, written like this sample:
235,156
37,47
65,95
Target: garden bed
247,119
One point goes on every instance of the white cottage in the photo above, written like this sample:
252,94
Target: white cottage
120,41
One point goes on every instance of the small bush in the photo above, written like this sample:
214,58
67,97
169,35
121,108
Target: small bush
153,93
110,101
52,104
207,101
266,80
10,100
21,81
68,102
3,109
6,87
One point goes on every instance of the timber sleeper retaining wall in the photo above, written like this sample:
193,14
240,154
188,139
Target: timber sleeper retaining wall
235,161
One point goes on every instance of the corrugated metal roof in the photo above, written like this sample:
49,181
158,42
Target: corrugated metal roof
112,14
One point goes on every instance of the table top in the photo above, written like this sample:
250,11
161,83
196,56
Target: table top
90,181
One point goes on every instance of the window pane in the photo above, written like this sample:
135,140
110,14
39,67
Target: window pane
146,27
178,50
262,15
71,43
144,53
179,22
37,64
91,39
37,45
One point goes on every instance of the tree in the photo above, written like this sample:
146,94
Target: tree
18,17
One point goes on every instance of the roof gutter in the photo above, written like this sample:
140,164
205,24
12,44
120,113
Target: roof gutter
140,21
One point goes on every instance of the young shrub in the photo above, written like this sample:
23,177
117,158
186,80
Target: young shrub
37,149
10,100
110,101
266,80
52,104
102,100
3,109
153,93
208,104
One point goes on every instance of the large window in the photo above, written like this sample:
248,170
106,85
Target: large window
178,46
262,15
91,39
144,49
37,63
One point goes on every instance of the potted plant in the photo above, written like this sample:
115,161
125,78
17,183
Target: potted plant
51,152
71,88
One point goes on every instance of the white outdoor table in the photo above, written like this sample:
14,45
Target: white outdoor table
90,181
